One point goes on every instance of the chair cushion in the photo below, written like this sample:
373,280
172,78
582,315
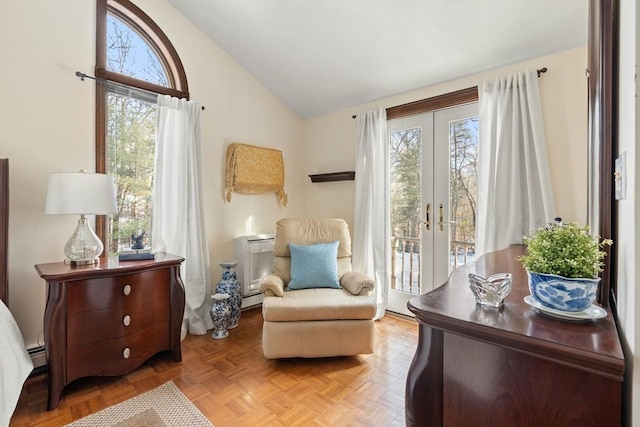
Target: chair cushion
318,304
309,231
321,338
314,266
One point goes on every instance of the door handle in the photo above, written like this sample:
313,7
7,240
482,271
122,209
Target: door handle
427,215
441,221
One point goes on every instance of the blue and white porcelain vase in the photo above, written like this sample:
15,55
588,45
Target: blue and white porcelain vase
220,312
229,285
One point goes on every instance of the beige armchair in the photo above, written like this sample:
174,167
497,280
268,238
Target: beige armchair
331,311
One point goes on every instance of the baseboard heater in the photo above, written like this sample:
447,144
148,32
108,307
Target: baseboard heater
38,356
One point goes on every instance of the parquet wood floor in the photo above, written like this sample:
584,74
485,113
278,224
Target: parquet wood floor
232,383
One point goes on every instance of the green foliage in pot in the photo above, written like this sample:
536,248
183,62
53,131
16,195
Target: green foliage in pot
566,250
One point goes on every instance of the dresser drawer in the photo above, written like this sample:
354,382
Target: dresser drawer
101,325
110,357
127,290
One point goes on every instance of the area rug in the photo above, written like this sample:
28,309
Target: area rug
164,406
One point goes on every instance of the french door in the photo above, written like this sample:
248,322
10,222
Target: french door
433,199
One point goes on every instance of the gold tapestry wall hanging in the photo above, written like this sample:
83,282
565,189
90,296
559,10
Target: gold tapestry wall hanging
255,170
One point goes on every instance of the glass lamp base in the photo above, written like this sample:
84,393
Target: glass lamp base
84,247
81,263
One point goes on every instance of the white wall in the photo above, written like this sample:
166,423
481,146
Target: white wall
47,125
627,240
330,139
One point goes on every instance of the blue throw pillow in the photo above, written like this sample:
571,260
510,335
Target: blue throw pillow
314,266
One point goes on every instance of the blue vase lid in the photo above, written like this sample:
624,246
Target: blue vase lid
228,264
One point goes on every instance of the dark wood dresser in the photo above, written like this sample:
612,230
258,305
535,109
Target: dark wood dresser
108,321
512,366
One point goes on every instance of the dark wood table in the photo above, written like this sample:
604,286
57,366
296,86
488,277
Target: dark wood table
481,366
103,320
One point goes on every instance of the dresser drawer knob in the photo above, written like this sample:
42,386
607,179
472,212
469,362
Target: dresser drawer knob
126,353
127,289
126,320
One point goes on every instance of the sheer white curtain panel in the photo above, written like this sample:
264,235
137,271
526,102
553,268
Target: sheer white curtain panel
372,229
515,193
178,221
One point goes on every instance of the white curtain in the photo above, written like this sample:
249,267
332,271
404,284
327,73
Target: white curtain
178,222
515,194
372,229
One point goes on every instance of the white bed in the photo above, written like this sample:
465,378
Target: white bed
15,364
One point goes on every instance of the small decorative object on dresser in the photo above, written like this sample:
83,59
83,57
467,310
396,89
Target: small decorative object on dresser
137,240
136,255
229,285
492,290
220,312
138,250
562,263
108,321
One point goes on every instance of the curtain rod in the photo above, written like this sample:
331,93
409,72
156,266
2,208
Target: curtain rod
82,76
538,72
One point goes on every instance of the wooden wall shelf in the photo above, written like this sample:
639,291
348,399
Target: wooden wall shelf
335,176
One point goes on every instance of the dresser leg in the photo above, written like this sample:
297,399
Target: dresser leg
423,394
177,312
55,341
54,394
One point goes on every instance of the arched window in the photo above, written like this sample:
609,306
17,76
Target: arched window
135,61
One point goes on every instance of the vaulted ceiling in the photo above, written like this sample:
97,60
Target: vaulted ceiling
320,56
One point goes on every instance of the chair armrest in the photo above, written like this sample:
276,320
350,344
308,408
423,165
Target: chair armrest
272,285
357,283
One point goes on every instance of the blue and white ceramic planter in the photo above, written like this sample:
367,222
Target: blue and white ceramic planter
562,293
220,312
229,285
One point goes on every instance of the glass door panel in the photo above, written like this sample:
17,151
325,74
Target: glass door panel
456,153
463,145
411,161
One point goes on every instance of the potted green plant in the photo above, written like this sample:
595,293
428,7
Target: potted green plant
562,262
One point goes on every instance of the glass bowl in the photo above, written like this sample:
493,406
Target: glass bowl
490,290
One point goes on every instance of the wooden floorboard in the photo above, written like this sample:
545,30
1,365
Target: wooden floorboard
232,383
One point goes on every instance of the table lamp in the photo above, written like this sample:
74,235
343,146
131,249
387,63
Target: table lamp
81,193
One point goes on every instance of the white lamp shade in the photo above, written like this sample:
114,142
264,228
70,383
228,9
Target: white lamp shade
80,193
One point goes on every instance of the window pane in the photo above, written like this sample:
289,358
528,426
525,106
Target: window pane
131,133
463,144
406,184
129,54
